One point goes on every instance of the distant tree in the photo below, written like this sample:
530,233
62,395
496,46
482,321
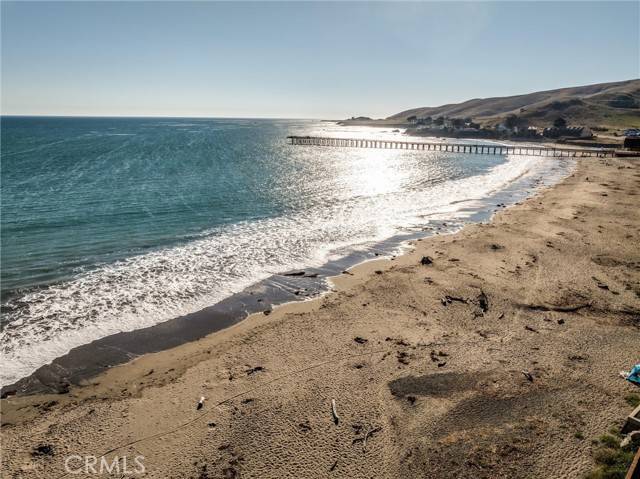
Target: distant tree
468,120
439,121
412,119
511,121
428,120
457,122
560,122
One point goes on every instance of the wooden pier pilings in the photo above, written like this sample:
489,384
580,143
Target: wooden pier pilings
479,149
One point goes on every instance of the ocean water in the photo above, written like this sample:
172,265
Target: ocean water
113,224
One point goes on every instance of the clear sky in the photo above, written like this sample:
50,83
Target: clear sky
302,60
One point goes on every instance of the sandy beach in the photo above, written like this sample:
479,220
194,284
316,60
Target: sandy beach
493,352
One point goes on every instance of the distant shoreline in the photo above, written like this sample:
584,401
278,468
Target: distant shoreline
596,142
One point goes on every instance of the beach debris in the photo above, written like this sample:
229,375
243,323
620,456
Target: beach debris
254,370
247,401
266,312
304,426
599,283
333,466
483,301
200,403
347,272
300,273
436,358
412,399
8,392
398,341
577,358
370,433
558,309
426,260
632,376
42,450
334,412
527,375
529,328
403,357
561,321
501,315
294,273
360,340
447,299
211,425
378,271
63,388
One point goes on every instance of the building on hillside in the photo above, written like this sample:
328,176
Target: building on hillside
632,132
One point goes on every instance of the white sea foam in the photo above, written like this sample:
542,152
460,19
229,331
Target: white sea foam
145,290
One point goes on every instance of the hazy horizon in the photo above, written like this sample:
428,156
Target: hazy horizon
302,60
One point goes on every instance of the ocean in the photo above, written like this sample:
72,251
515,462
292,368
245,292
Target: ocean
115,224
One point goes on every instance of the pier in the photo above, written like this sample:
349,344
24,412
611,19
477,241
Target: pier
477,149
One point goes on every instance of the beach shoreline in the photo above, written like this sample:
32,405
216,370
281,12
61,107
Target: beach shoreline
430,356
80,364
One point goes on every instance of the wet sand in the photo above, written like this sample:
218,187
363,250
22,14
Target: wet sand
486,362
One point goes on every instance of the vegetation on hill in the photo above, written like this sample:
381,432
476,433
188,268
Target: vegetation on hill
604,105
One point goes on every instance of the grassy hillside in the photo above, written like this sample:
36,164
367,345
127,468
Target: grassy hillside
609,105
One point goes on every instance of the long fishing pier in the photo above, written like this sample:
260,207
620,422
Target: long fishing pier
478,149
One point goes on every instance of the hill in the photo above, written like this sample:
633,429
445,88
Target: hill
607,105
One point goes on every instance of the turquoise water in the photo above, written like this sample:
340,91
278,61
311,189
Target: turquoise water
112,224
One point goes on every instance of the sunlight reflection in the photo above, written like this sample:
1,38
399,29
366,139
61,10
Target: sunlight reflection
375,172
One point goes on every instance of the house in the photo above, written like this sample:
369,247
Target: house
573,131
632,132
579,132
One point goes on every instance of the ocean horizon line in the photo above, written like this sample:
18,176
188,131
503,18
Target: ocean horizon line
133,117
